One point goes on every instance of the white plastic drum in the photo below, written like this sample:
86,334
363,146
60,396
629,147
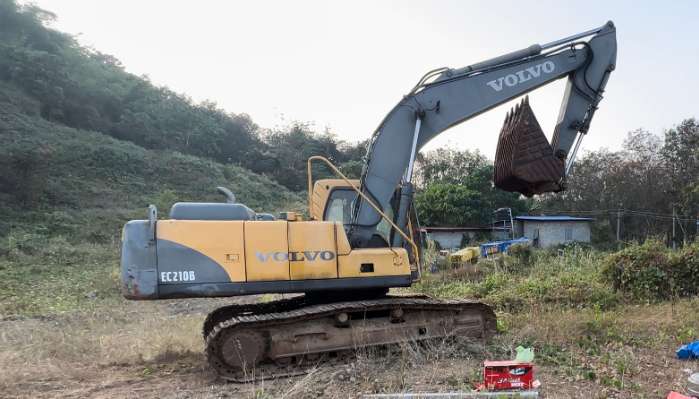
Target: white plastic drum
693,384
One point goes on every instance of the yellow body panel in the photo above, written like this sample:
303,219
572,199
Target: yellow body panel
267,250
219,240
384,261
312,253
343,245
281,250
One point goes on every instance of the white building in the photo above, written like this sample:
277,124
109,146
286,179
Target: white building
452,237
548,231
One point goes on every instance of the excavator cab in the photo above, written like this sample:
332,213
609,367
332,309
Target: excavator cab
334,199
524,160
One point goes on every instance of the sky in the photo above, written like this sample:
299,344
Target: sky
344,65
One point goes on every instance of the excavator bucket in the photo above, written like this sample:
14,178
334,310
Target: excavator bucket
524,159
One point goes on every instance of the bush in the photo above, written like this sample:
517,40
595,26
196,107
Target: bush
684,267
522,253
650,272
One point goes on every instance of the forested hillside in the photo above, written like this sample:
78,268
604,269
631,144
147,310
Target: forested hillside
81,135
80,87
84,184
87,145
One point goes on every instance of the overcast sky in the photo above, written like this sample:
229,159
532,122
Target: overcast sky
343,65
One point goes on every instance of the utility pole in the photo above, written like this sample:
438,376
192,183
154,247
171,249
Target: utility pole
504,221
674,216
618,224
512,223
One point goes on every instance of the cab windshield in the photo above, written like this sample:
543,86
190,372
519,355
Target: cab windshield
339,209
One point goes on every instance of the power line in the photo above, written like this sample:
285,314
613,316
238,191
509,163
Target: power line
625,212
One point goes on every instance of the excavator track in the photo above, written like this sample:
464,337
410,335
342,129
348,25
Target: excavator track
289,337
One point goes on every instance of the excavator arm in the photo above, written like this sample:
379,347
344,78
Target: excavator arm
446,97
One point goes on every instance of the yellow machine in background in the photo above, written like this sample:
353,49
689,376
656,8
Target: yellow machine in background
464,256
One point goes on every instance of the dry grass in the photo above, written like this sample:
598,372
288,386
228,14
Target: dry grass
108,347
648,325
137,349
628,352
149,350
40,353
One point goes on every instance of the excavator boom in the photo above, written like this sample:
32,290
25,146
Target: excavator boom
446,97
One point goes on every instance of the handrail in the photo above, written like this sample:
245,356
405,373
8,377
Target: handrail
364,196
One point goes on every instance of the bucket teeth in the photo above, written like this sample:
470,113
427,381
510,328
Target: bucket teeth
524,159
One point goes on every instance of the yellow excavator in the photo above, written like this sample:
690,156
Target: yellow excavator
360,237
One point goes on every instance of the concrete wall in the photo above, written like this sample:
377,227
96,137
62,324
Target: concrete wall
446,239
553,233
452,239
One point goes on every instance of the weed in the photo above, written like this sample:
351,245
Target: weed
502,326
651,272
572,279
686,334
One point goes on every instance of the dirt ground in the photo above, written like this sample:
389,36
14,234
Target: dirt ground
154,350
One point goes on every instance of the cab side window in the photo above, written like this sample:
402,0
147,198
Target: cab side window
339,207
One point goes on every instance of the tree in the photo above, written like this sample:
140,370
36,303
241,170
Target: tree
681,154
648,176
455,188
445,204
290,148
446,165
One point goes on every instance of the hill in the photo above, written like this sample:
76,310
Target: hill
79,87
86,145
58,180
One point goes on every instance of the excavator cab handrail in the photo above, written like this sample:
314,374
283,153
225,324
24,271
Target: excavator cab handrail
364,196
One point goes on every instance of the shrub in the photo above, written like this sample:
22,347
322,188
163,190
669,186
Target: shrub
649,272
684,267
522,253
569,278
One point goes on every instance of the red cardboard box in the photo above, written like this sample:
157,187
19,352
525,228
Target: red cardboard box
507,374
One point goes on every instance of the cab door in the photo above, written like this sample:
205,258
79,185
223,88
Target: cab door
267,250
312,250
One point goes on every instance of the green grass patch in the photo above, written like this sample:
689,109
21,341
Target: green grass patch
58,277
570,277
